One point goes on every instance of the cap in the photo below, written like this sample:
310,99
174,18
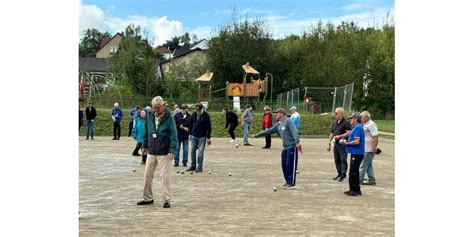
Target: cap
280,110
355,115
293,107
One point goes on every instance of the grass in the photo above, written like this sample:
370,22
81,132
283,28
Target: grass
386,125
318,125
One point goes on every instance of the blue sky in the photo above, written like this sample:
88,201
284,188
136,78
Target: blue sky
164,19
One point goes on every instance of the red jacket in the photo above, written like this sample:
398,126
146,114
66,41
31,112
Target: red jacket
267,120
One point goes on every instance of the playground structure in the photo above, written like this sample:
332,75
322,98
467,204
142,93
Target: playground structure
252,90
204,93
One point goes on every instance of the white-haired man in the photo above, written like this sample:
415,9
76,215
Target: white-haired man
160,144
340,128
371,141
117,115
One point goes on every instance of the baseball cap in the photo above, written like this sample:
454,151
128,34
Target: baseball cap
280,110
293,107
355,115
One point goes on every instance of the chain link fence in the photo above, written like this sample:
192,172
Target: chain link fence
289,98
329,98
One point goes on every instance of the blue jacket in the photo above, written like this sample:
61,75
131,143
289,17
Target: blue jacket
119,113
202,127
286,130
186,122
139,130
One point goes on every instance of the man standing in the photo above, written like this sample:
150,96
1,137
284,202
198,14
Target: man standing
339,129
289,155
231,122
200,134
183,123
371,143
90,117
177,110
117,115
159,143
355,146
134,113
247,121
295,117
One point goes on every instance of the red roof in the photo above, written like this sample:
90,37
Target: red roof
163,50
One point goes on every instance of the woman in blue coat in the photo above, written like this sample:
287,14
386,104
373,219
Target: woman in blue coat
138,132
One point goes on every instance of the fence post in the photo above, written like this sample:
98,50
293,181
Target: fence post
334,100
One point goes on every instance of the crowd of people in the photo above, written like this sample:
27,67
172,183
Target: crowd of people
163,137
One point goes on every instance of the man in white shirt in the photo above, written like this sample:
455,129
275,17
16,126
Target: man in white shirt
371,142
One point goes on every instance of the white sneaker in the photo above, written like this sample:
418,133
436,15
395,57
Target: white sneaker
231,140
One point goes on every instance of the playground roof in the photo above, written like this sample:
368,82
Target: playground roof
205,77
248,69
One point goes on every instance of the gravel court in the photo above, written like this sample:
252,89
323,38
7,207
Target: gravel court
241,204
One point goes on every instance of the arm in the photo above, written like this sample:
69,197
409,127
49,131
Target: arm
294,132
145,136
227,118
93,113
268,132
209,128
375,143
191,126
173,137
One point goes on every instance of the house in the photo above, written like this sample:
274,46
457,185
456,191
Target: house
182,56
202,44
109,46
167,53
196,52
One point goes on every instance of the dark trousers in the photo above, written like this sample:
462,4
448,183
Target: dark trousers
354,182
289,165
130,127
231,130
117,130
137,148
340,159
268,141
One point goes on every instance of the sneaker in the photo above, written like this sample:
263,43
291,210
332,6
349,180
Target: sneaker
135,154
289,186
231,140
265,147
368,183
336,178
284,185
341,179
143,163
92,138
198,170
86,138
114,138
145,202
185,164
191,169
166,204
247,144
176,164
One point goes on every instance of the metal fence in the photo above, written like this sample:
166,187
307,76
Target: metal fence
289,98
329,98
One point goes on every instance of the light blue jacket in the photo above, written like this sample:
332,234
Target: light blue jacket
286,130
139,130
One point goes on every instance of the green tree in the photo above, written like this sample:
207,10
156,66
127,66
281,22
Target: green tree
90,42
179,81
135,63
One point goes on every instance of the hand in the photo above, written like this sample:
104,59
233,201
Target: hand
170,156
208,141
337,137
190,137
343,142
144,152
92,120
328,148
298,146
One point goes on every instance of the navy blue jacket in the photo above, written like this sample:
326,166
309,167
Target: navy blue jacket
119,113
186,122
202,127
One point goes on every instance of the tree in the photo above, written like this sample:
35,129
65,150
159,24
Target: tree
134,64
90,42
237,43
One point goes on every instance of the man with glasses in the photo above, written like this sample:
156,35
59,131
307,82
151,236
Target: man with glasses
340,129
160,144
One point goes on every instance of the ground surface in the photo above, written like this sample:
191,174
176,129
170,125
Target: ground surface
241,204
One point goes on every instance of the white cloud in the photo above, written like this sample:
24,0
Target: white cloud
91,16
159,28
204,32
283,26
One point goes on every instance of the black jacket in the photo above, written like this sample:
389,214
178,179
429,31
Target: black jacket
231,118
186,122
202,127
90,113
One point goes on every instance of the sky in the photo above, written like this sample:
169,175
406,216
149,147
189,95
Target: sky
164,19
